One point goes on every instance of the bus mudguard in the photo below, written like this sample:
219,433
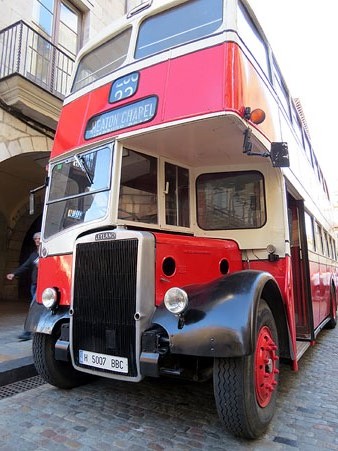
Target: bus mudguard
42,320
221,316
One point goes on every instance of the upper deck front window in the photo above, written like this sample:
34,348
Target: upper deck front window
185,23
102,61
79,189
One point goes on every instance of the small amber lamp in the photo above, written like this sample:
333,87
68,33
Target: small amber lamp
257,116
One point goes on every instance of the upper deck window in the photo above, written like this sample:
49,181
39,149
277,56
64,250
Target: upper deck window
184,23
253,40
103,60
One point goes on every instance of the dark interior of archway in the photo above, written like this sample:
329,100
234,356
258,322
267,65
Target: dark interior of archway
27,247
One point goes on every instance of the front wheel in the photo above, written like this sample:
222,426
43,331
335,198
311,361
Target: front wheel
333,318
245,388
56,372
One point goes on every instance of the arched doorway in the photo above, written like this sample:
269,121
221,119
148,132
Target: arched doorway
19,175
26,249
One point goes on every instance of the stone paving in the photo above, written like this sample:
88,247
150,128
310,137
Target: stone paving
168,415
12,318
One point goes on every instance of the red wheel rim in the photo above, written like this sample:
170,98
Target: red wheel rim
265,366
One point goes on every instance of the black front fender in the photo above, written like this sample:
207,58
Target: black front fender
221,318
42,320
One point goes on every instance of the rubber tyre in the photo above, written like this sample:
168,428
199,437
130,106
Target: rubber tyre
333,320
240,407
56,372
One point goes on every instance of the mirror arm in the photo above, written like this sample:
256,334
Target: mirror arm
32,193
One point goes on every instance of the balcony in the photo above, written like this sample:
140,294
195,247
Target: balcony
34,74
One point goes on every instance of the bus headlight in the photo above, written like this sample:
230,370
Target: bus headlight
176,300
50,298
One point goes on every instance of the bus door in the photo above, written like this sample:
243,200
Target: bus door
300,269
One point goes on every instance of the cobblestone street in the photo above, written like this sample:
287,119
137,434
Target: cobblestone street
165,415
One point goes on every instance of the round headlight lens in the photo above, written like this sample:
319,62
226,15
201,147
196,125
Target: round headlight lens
49,297
176,300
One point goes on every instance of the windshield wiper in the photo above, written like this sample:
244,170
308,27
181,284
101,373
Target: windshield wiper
80,161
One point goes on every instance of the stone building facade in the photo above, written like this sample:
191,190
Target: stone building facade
39,40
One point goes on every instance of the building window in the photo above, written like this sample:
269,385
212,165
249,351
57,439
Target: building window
61,21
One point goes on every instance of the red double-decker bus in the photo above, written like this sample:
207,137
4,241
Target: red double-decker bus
187,225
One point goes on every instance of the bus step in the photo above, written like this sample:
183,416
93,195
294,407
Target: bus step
302,347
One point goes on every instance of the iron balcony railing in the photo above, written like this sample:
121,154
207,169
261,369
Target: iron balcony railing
25,52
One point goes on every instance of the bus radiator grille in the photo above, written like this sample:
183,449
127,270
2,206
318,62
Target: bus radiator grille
104,300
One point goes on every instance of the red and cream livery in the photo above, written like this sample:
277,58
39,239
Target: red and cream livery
187,227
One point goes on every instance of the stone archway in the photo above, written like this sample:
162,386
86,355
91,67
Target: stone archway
20,245
24,153
18,175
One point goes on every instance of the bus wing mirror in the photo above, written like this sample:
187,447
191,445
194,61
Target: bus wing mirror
279,154
32,196
31,203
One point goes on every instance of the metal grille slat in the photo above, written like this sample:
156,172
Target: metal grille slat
104,299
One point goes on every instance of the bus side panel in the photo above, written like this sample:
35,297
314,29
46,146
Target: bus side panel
325,282
196,84
183,260
281,270
254,93
56,271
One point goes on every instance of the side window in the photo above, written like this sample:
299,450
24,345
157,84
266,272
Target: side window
334,251
307,147
318,239
230,200
326,244
138,188
297,126
309,232
281,89
253,40
176,195
332,254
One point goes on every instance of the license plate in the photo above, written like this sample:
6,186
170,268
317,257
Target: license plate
103,361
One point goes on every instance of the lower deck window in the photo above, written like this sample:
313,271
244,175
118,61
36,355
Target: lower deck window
231,200
138,188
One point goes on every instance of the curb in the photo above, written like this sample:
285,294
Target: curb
16,370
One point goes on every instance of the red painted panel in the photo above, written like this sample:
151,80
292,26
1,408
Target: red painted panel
196,84
276,269
187,86
210,80
56,272
282,272
197,260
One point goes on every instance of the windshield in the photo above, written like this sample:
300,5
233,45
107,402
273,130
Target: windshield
102,61
79,189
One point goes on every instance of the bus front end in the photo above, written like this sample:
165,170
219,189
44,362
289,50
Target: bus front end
113,301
